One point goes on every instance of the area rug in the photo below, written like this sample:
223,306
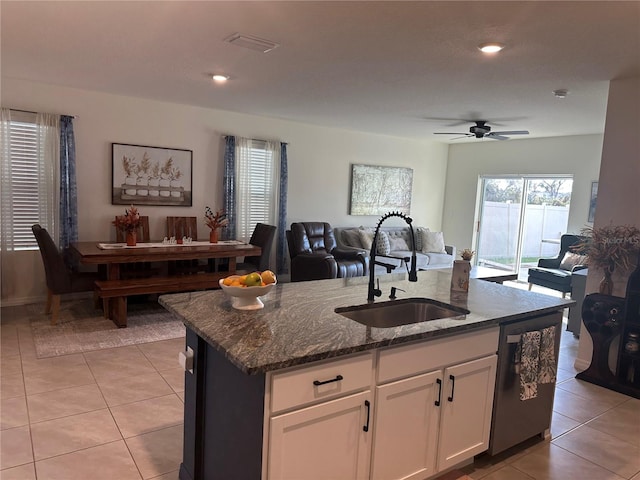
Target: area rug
82,328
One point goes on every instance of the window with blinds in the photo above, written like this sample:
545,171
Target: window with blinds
25,171
256,187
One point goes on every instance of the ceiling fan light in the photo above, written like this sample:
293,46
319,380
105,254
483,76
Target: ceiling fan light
491,47
219,78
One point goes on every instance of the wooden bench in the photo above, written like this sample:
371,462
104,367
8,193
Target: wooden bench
114,293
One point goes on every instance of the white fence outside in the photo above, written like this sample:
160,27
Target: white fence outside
499,231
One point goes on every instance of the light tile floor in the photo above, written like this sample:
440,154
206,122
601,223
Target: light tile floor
117,414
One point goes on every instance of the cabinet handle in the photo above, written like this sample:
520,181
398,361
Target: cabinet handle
337,379
368,405
439,382
453,386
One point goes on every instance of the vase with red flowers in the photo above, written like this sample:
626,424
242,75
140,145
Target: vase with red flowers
129,223
215,221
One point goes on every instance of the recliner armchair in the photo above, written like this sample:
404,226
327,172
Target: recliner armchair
555,273
316,256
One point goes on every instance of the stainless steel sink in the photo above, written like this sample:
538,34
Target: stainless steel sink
400,312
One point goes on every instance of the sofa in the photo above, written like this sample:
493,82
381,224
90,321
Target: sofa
394,247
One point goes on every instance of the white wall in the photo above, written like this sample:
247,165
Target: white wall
576,155
618,200
319,164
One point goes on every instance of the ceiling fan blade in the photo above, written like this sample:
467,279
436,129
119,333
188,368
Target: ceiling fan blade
450,133
512,132
495,137
466,135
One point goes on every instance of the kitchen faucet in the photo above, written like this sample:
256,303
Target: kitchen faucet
413,275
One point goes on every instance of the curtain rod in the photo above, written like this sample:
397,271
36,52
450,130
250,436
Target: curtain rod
30,111
260,140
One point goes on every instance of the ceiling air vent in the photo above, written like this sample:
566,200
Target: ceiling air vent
249,41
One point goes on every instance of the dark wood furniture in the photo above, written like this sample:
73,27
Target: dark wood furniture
179,227
135,270
115,289
142,232
628,371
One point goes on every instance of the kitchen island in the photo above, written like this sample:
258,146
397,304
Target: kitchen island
259,375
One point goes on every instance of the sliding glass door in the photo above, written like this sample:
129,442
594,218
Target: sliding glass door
521,219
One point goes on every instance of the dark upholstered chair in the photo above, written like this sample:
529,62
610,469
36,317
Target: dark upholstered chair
262,237
60,278
315,255
553,272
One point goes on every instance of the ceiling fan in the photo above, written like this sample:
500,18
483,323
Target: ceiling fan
482,130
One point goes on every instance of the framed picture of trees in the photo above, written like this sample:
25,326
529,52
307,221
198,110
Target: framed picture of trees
144,175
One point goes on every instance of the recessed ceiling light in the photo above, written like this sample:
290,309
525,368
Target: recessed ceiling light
491,47
218,78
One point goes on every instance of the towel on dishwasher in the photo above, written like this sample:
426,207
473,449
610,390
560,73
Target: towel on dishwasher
535,360
528,355
547,372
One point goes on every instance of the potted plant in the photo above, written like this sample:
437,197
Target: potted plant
154,180
143,176
129,166
176,174
129,223
165,178
215,221
607,248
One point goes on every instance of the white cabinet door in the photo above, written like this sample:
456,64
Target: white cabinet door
406,428
325,441
467,402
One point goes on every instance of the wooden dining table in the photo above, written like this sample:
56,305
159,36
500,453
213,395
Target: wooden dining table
115,290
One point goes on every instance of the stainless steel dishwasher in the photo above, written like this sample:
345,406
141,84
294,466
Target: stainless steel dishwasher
515,420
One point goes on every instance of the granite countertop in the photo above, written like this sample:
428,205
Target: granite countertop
298,323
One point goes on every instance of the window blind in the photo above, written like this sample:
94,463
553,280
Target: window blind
256,186
25,191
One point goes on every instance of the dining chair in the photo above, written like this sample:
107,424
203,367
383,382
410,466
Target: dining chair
179,227
262,236
60,278
139,269
182,227
142,232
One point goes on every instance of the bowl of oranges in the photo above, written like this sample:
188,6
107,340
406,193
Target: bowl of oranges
245,290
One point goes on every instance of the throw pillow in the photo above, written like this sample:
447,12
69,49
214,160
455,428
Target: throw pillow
351,237
570,260
432,242
418,233
398,244
382,244
366,237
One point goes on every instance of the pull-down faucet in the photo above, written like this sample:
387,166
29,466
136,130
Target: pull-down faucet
413,275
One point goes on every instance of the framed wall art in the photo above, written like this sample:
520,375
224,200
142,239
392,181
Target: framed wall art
592,201
145,175
376,190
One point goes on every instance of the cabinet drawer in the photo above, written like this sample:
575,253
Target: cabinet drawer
332,379
425,356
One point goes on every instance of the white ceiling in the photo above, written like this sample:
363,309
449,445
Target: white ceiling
397,68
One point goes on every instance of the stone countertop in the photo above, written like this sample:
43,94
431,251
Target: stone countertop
298,323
